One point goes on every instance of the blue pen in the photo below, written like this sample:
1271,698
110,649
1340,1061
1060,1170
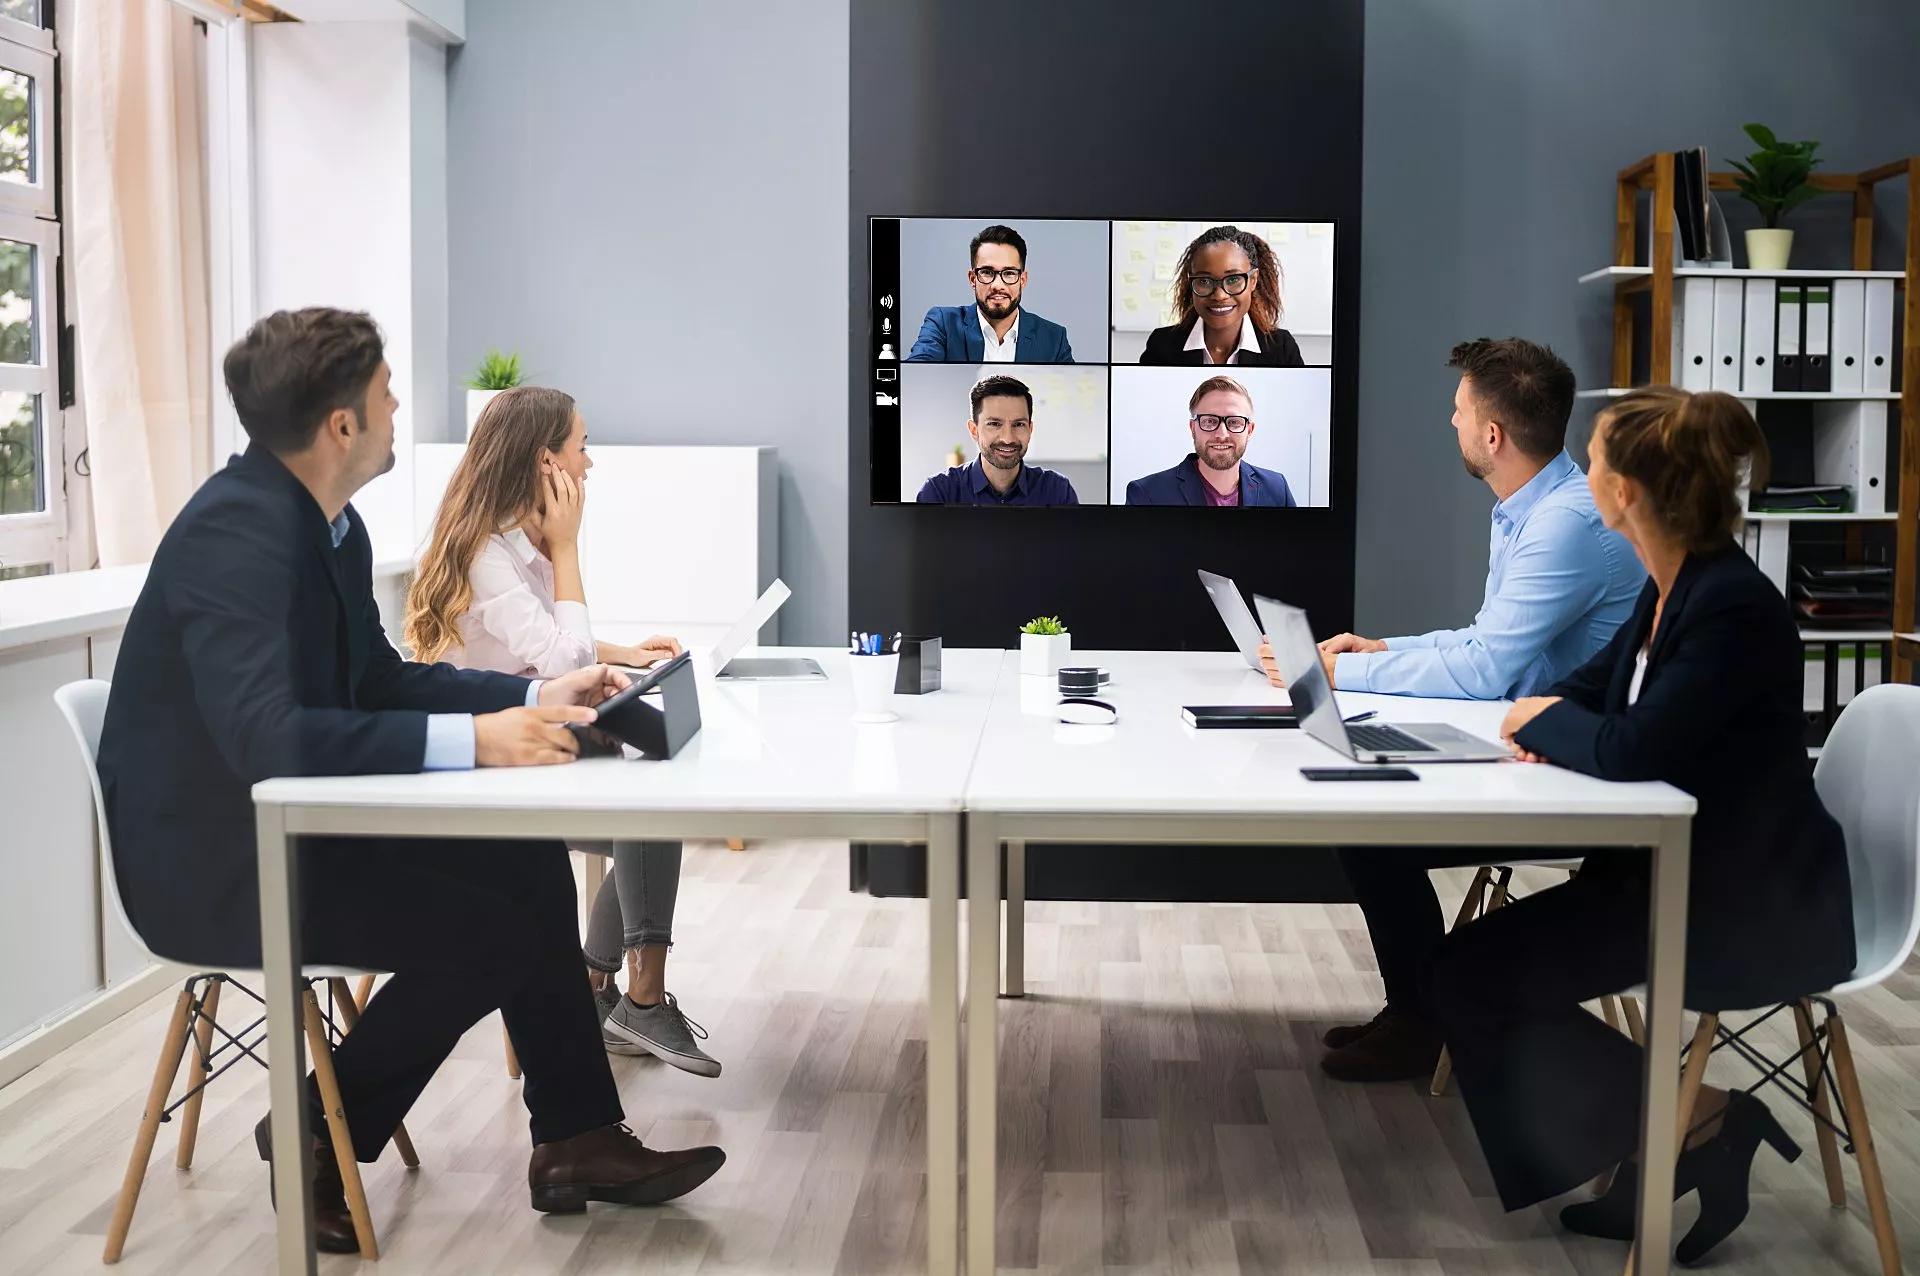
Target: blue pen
1359,717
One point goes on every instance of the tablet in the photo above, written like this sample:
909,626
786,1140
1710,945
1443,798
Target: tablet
640,686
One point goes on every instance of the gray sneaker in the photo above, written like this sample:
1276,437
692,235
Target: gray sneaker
605,999
662,1031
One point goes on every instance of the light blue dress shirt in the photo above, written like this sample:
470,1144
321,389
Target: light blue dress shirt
1558,585
450,744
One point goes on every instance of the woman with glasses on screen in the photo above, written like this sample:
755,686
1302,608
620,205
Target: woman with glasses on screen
499,588
1226,306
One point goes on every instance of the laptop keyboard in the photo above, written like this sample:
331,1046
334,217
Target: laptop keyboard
1384,739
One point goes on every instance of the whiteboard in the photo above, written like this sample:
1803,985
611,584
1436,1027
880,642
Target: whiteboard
1146,252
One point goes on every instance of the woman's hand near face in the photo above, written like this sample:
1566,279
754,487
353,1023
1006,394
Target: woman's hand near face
562,502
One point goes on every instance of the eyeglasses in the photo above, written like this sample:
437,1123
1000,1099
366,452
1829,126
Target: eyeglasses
1210,424
1203,285
1008,275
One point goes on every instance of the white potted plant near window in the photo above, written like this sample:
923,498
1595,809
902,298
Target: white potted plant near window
1045,645
496,372
1774,180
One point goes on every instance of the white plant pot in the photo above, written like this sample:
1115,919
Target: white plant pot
1769,249
477,400
1042,654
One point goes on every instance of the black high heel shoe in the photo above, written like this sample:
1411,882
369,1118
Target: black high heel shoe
1611,1217
1725,1166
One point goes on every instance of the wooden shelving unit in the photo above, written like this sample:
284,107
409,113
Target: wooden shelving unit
1655,176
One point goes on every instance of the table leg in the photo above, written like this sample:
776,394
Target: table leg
1016,977
983,1035
1660,1109
943,1045
286,1053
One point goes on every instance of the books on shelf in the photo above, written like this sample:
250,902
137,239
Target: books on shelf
1849,594
1810,497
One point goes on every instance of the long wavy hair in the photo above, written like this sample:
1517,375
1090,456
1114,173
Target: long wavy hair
494,488
1266,308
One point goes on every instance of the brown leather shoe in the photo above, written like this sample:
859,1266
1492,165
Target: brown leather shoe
1401,1047
332,1225
610,1164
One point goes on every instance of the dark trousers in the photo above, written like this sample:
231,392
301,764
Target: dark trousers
465,927
1392,887
1553,1092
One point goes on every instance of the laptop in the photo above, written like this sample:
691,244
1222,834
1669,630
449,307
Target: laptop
1319,715
728,663
1233,610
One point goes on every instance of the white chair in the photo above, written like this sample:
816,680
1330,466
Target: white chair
84,705
1868,777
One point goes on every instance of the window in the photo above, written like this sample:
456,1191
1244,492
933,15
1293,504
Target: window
32,460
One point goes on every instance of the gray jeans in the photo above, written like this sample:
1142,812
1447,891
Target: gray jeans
636,907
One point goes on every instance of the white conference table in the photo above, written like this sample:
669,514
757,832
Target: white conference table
773,759
984,760
1150,778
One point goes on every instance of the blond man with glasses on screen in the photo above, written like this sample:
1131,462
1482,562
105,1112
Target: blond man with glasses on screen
1216,473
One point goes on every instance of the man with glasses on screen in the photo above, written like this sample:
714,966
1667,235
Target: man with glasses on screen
994,329
1002,424
1216,473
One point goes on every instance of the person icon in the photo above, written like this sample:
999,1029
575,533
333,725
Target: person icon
886,350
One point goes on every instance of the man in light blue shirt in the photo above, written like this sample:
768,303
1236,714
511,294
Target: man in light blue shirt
1558,585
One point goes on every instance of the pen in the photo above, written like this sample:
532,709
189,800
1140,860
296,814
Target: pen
1359,717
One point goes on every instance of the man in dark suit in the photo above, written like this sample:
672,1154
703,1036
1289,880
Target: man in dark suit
1215,473
255,650
994,329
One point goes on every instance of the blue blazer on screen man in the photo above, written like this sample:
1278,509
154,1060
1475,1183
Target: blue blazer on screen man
951,334
1183,485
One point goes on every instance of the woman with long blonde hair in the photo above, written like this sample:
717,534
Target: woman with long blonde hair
499,588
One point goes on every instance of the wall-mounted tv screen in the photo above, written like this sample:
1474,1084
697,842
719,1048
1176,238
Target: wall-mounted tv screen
1041,363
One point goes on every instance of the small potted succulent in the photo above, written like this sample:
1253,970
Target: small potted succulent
1045,645
1774,180
495,373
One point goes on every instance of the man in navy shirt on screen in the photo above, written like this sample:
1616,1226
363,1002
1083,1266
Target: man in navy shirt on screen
1002,424
995,328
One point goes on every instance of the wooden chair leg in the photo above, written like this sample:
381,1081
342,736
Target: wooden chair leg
1636,1025
1610,1011
1872,1186
513,1059
202,1070
361,992
350,1016
356,1192
172,1046
1470,907
1690,1078
1822,1107
736,844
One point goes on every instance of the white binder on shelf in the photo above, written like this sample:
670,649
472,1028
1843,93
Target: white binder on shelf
1849,357
1756,367
1878,337
1850,446
1727,303
1695,371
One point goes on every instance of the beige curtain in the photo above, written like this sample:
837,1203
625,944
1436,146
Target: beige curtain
138,235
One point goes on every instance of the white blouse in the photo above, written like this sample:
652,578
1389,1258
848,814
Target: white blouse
1639,676
514,625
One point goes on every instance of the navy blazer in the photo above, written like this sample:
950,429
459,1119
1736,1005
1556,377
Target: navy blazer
1182,485
1166,347
951,334
254,651
1770,912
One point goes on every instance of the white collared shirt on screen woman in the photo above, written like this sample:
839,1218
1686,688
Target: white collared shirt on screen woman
997,351
514,625
1249,341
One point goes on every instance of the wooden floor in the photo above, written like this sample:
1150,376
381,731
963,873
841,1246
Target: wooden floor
1162,1112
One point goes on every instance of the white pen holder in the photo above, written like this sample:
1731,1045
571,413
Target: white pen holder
873,678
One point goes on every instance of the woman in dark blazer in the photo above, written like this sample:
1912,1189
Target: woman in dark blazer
1700,688
1226,306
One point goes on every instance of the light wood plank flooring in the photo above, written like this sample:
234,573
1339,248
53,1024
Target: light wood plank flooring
1162,1112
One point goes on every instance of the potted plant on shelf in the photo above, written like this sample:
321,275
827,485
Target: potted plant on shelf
495,373
1045,645
1774,180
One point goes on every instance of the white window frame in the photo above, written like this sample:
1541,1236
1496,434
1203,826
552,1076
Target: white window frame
27,217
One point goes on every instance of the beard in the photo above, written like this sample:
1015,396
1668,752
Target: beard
1479,469
996,311
1012,462
1218,458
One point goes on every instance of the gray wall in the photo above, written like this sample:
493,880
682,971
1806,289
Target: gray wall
607,161
1493,130
609,142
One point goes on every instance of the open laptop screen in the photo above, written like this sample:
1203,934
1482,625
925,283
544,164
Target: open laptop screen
1299,661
